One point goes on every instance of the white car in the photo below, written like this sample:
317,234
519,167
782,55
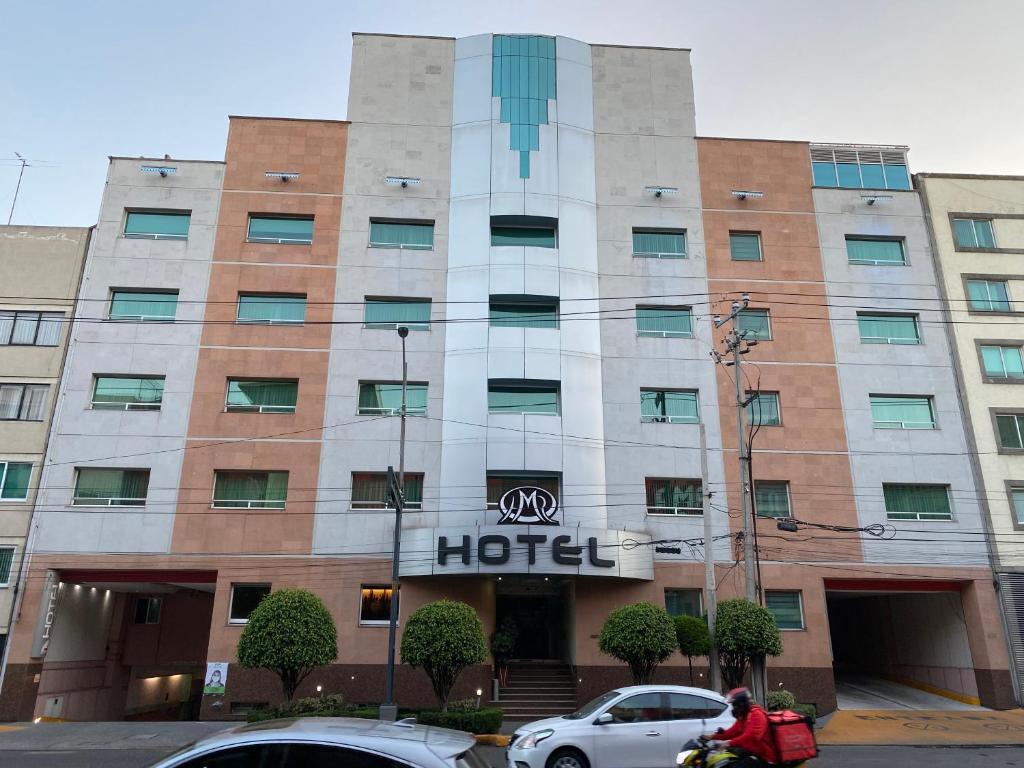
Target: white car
640,726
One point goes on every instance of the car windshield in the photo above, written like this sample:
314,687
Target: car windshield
588,709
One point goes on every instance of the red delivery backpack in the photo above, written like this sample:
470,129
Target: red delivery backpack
793,736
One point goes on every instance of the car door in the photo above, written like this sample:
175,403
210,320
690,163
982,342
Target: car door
690,715
265,755
637,736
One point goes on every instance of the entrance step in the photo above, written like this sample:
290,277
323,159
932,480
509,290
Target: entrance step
537,690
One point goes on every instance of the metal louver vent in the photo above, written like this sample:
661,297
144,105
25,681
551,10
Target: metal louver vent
1011,591
821,155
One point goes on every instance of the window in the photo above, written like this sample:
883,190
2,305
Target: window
688,706
272,308
667,322
888,329
330,756
988,295
157,225
771,498
398,234
786,607
667,405
6,565
375,604
642,708
1009,427
763,409
39,329
14,477
902,412
917,502
23,402
674,496
414,314
856,168
128,393
755,323
875,250
384,398
238,757
250,490
659,243
147,610
111,487
684,602
1002,362
498,485
745,246
524,312
370,490
244,599
534,231
1016,502
143,305
974,233
522,397
285,230
262,396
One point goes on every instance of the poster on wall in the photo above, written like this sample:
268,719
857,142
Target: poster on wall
216,677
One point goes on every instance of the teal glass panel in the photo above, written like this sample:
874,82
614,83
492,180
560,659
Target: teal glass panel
983,233
385,399
755,323
278,229
171,226
872,176
785,607
744,247
250,490
525,315
1003,362
523,77
111,487
964,231
382,313
659,244
664,321
902,412
888,329
1017,495
121,393
988,295
772,499
764,410
14,477
262,396
516,399
896,177
867,251
271,309
1010,430
143,305
669,406
390,235
849,174
674,496
917,502
824,174
535,237
683,602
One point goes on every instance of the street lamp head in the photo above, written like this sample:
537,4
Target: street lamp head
403,331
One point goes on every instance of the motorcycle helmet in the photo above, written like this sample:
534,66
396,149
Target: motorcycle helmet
739,699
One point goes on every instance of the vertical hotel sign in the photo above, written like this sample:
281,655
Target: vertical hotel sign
47,612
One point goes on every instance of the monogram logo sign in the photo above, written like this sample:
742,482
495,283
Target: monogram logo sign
528,505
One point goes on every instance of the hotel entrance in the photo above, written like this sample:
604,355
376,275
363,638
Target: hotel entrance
538,611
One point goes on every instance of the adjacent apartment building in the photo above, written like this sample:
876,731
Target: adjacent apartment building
541,216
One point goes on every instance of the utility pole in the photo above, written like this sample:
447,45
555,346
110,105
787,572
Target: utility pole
396,493
737,345
714,671
21,173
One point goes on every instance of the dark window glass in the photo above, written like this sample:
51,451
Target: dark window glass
375,603
537,237
369,490
245,598
498,485
687,706
323,756
684,602
147,610
642,708
254,756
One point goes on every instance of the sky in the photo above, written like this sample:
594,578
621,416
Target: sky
80,81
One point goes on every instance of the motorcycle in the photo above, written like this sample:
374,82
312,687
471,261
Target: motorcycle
708,753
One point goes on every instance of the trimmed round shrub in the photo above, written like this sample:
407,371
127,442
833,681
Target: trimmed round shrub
693,638
744,631
642,635
779,700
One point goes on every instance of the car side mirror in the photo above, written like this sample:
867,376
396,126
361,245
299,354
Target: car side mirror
604,719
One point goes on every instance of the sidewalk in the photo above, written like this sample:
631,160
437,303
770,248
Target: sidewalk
923,728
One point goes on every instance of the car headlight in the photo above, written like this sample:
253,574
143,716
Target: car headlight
683,756
531,740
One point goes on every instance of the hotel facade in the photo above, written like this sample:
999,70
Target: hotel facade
541,216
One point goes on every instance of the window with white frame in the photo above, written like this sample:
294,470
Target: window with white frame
250,490
128,393
672,406
14,478
684,602
902,412
6,565
909,501
659,243
974,233
674,496
370,490
787,608
1002,361
244,599
96,487
375,604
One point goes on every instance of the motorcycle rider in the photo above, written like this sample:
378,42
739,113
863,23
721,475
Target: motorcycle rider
749,737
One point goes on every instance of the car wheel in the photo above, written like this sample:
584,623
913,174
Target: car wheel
567,758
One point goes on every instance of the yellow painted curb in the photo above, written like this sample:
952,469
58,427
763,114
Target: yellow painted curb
897,727
46,719
9,728
493,739
974,701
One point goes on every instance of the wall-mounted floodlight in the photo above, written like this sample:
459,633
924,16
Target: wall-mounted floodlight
284,176
872,199
402,181
163,170
743,194
661,191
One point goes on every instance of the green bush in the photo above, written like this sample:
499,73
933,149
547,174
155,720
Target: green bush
291,633
779,700
463,705
642,635
807,710
474,720
443,637
693,638
744,631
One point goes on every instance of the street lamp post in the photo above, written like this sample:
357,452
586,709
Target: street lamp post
396,491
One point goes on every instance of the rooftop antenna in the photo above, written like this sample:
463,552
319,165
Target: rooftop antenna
21,173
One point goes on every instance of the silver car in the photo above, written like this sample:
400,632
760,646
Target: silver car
329,742
640,726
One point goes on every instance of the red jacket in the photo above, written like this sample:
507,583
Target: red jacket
752,733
